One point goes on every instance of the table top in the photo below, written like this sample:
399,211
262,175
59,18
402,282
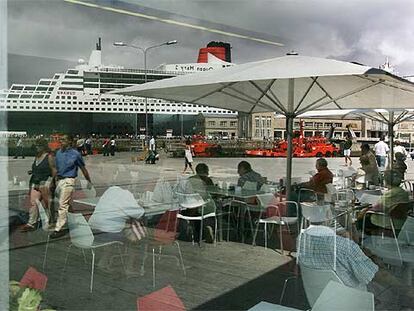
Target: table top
267,306
243,194
151,208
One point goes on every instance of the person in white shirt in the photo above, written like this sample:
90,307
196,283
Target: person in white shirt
188,158
109,219
381,150
152,144
398,148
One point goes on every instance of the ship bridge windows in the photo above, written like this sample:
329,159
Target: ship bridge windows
13,96
69,89
72,72
17,87
26,96
41,88
90,79
91,85
44,82
57,76
72,77
72,82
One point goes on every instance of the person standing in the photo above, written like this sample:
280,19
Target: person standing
43,170
105,147
152,144
347,150
381,149
399,148
68,160
369,165
188,158
112,145
19,148
88,145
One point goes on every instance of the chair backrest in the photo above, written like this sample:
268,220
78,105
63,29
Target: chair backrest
330,192
250,185
401,210
316,213
266,199
189,200
166,230
307,195
164,299
79,230
407,185
337,296
315,280
406,235
43,216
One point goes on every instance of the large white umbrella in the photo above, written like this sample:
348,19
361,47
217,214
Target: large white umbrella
289,85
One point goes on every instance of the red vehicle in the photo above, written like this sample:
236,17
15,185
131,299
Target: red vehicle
202,148
303,147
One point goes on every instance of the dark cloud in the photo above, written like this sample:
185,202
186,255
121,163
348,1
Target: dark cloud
364,31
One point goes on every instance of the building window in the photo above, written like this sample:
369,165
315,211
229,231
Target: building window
233,123
257,133
211,123
223,123
257,122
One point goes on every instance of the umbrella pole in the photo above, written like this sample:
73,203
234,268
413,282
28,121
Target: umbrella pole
391,138
289,129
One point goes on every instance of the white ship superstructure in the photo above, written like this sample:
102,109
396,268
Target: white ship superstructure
84,89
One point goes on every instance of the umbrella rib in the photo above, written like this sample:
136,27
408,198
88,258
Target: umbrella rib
373,117
215,91
382,116
263,105
360,89
327,94
401,117
310,105
263,94
307,92
275,102
387,84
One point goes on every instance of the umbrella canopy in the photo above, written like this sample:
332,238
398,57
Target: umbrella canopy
263,86
289,85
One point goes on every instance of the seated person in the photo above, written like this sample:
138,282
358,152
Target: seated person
317,182
199,183
369,165
394,195
353,267
110,220
399,164
246,173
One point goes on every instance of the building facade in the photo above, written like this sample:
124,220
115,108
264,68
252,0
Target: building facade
213,125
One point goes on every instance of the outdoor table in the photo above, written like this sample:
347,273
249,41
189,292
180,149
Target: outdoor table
387,250
151,208
240,196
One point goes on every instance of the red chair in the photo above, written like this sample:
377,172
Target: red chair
164,299
164,234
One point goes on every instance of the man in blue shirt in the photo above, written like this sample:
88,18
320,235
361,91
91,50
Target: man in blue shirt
68,160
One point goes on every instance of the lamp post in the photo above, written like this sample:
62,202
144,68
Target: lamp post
144,51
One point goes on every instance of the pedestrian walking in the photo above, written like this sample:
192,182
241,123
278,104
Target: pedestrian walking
19,149
381,150
112,145
188,158
347,150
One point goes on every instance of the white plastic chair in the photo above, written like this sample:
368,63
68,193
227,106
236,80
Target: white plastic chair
315,280
82,237
339,297
45,226
266,202
194,200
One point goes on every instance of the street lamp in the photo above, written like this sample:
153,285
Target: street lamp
144,51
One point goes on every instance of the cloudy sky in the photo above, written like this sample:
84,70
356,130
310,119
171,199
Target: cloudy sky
56,33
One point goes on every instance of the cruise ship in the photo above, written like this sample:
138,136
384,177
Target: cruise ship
78,100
